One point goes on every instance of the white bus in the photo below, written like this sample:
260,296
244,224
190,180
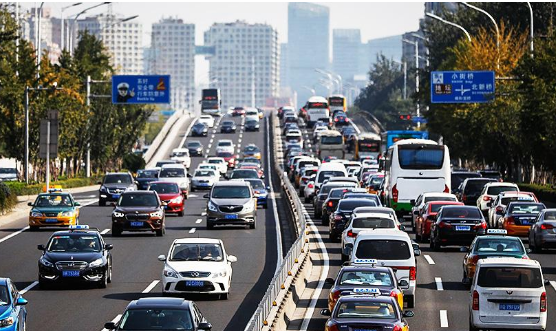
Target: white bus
317,109
412,167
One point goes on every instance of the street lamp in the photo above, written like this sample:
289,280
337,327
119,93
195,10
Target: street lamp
416,44
38,16
431,15
404,65
532,47
62,44
313,92
495,26
70,42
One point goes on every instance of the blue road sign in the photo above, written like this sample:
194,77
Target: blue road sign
462,86
140,89
419,119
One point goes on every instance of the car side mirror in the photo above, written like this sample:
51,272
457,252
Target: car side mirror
412,202
463,249
408,313
164,203
402,227
108,246
329,281
232,258
109,325
206,196
136,182
30,204
417,252
546,282
268,188
41,247
325,312
162,258
226,176
529,250
205,326
262,177
77,204
404,284
21,302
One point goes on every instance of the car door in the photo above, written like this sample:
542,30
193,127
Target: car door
416,207
18,312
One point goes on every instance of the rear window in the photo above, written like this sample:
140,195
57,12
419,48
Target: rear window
336,193
461,213
526,208
507,200
416,156
510,277
172,172
349,204
366,277
436,207
327,174
429,199
373,223
335,140
326,188
475,186
495,190
310,172
498,247
383,250
550,216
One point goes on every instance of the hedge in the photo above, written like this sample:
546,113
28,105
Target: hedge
543,192
8,199
19,188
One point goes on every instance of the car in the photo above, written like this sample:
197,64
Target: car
199,129
360,279
322,195
261,191
341,119
427,216
290,119
204,179
348,131
195,148
169,314
170,194
244,173
290,126
197,265
428,197
139,211
361,195
331,202
366,312
146,176
295,175
177,174
113,185
252,113
252,150
329,170
225,145
456,225
307,175
206,119
12,306
238,111
363,222
309,190
78,254
228,126
508,293
341,216
252,125
231,203
470,189
208,166
374,182
252,160
293,137
494,174
53,209
519,216
378,210
251,166
491,190
229,157
220,164
160,163
8,175
542,234
497,206
181,155
261,113
496,243
459,176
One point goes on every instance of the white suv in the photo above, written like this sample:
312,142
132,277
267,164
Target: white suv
363,222
182,155
207,119
197,265
491,191
225,145
508,293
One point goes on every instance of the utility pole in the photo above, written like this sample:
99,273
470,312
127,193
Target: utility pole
88,82
47,155
416,44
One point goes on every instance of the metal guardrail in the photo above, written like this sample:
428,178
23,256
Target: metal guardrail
259,319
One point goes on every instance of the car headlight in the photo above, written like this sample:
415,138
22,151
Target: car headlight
211,206
96,263
68,213
129,188
6,322
157,214
45,262
248,208
176,200
118,214
169,272
36,214
221,273
103,188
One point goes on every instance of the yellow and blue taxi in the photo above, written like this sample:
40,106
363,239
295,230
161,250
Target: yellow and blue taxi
54,208
12,307
252,150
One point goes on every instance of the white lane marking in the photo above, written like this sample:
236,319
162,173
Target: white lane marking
239,140
25,290
13,234
105,231
199,220
209,146
213,136
208,151
279,251
151,286
429,259
553,284
443,318
115,320
193,230
211,141
204,213
438,282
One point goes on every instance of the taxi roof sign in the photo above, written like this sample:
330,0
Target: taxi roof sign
497,231
365,261
52,188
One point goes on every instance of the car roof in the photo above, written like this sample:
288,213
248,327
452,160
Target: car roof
54,193
501,184
139,192
383,233
159,302
197,241
348,268
232,183
121,173
453,203
173,166
438,194
371,214
359,297
508,261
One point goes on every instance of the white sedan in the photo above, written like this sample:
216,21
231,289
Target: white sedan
220,164
308,191
197,265
204,179
207,119
363,222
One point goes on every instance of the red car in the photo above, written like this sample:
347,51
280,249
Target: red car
238,111
427,216
169,193
230,158
258,169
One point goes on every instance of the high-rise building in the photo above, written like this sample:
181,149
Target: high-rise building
308,47
245,64
284,66
390,47
346,45
172,53
408,49
124,40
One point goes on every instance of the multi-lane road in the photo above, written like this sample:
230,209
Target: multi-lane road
136,271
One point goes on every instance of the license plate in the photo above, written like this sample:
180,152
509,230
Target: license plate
463,228
230,217
165,207
136,223
51,220
70,273
510,306
115,196
194,283
525,222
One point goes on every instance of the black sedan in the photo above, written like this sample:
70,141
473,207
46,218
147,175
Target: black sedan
195,148
139,211
457,225
199,130
77,254
252,125
228,127
342,215
341,120
145,177
331,202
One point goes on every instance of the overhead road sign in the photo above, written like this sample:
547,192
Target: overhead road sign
143,89
462,86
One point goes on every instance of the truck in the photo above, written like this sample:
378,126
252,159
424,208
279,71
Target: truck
211,101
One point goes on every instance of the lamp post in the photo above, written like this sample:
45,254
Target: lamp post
431,15
531,33
404,65
495,26
38,15
70,34
312,90
62,44
416,44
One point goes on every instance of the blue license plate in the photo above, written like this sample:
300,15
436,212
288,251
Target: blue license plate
136,223
194,283
115,196
165,207
51,220
510,306
230,216
463,228
70,273
525,222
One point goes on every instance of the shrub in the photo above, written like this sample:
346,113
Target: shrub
133,162
543,192
20,188
8,200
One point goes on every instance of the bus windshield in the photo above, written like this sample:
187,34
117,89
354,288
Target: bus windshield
336,101
321,105
368,146
419,156
331,140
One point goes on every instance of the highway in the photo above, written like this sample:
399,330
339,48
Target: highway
136,270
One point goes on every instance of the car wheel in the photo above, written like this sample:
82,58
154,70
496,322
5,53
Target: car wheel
471,326
104,282
210,226
101,202
301,193
180,213
192,188
265,206
110,273
252,225
306,200
410,301
160,232
344,257
534,247
224,296
34,228
325,221
43,284
116,231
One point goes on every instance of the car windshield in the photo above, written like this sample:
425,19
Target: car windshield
228,123
383,249
194,144
8,171
180,153
200,125
147,174
215,161
331,140
251,149
196,252
365,309
373,223
244,173
475,186
506,200
204,173
4,296
376,180
350,204
335,193
164,188
54,200
436,207
513,277
231,192
495,190
450,212
498,246
330,173
366,277
310,172
172,173
526,208
117,179
74,243
256,184
156,319
328,187
138,200
224,143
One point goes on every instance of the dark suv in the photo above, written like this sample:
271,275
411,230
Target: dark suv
138,211
113,185
470,190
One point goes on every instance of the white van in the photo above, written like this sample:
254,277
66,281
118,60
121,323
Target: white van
328,170
331,143
317,109
390,248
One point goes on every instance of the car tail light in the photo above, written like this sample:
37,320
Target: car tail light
543,302
395,193
337,217
547,226
335,120
347,119
446,189
481,225
397,328
509,220
486,198
334,327
464,198
310,186
475,305
444,225
330,204
499,208
474,259
351,234
412,273
304,180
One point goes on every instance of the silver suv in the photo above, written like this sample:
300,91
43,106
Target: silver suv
231,202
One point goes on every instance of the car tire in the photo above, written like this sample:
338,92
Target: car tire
101,202
253,225
418,237
160,232
34,228
301,193
224,296
344,257
210,226
472,327
192,188
409,301
306,200
104,282
116,231
534,247
180,213
110,273
43,284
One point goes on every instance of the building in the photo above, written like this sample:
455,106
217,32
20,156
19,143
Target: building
390,47
284,66
346,52
172,52
438,7
124,40
308,47
245,64
408,49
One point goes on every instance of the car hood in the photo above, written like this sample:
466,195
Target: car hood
4,311
136,209
168,196
221,202
117,185
68,256
194,149
210,266
52,209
